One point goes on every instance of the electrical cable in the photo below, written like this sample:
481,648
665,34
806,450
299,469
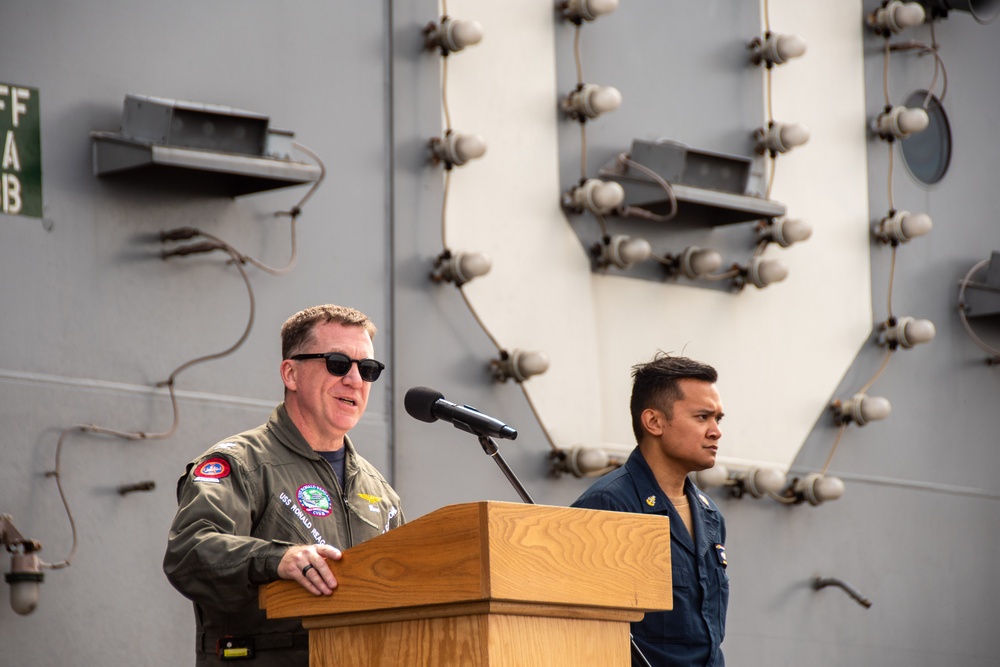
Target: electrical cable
979,342
634,212
833,448
444,236
141,435
921,48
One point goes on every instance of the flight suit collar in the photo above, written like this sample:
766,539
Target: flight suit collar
288,434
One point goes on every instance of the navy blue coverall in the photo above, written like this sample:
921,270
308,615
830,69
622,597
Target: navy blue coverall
690,634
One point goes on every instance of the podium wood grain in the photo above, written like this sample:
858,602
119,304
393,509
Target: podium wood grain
488,583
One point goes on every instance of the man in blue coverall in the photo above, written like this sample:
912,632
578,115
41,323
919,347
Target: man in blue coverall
676,410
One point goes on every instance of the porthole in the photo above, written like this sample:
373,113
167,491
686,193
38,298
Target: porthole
927,154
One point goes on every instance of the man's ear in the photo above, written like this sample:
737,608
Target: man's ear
289,374
653,421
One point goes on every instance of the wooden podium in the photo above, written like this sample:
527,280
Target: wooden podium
488,584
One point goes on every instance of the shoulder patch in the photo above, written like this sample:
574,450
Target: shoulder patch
212,470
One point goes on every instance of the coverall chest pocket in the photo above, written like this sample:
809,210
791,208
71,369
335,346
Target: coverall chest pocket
673,626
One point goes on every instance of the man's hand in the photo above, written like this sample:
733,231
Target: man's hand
306,564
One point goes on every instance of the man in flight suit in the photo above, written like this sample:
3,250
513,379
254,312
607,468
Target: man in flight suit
279,500
676,411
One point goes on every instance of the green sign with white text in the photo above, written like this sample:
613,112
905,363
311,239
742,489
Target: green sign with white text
21,165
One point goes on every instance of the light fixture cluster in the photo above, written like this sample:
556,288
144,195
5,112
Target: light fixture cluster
578,11
773,139
451,35
460,267
518,365
595,196
447,36
598,197
621,251
770,50
896,228
895,16
764,482
587,460
455,149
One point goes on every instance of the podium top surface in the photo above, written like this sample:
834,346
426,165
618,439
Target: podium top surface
496,551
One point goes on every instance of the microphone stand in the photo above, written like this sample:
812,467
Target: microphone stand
491,449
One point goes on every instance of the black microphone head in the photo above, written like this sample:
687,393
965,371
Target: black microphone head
419,402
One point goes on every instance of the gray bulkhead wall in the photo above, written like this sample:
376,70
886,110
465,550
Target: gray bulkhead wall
916,529
94,318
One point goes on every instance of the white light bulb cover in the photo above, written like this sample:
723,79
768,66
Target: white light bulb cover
526,363
904,226
597,196
786,231
696,262
456,34
591,100
588,10
909,331
713,477
467,147
900,122
471,265
781,137
584,461
896,16
778,49
624,251
457,149
759,482
24,578
817,488
465,266
764,271
862,409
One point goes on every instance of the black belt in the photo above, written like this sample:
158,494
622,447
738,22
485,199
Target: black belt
244,646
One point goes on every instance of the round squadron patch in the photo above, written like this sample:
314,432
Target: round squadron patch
314,499
212,470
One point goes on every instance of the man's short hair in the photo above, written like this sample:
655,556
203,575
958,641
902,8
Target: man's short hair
655,384
296,332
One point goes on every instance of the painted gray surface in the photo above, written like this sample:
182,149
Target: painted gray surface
93,319
705,95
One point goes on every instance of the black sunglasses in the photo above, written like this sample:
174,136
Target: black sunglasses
339,364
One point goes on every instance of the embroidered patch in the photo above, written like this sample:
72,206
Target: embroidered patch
314,499
369,498
720,551
212,470
392,513
651,501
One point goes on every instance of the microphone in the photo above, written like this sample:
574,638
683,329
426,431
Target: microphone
428,405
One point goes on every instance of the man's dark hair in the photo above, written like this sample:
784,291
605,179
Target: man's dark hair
655,384
296,332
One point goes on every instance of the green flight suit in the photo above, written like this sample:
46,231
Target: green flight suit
241,504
